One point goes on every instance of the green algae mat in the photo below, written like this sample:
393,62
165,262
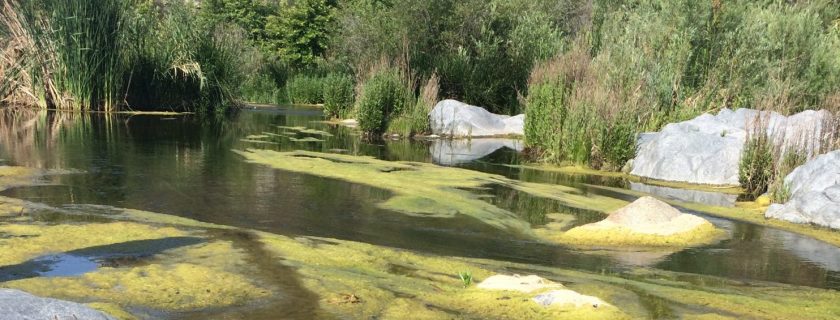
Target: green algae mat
243,273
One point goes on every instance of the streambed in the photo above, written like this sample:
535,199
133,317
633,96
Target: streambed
185,166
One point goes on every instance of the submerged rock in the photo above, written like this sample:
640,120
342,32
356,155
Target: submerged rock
458,119
815,193
517,283
645,222
16,304
567,298
707,149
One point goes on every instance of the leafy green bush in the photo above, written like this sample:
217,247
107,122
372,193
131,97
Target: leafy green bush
415,119
383,95
305,89
339,94
756,169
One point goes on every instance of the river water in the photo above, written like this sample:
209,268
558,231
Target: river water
184,165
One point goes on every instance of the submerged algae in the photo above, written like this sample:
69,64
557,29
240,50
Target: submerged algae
426,287
357,280
26,241
427,189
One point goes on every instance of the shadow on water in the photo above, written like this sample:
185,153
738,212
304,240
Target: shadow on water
184,166
81,261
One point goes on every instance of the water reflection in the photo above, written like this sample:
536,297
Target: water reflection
458,151
705,197
184,166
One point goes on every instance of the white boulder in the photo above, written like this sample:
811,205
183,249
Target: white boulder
815,193
458,119
707,149
16,304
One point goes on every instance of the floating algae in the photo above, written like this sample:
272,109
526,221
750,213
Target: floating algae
424,189
646,222
305,130
357,280
256,137
258,141
307,139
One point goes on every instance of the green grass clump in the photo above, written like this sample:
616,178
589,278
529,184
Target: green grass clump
466,278
756,169
305,89
111,54
383,95
339,95
415,119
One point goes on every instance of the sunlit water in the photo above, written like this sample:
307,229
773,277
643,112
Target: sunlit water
184,166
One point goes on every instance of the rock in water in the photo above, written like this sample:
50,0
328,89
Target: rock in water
815,193
707,149
567,298
645,222
517,283
16,304
458,119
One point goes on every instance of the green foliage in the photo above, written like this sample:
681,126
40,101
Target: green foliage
756,169
779,190
415,119
305,89
66,72
180,63
339,94
482,50
383,95
302,31
466,278
638,65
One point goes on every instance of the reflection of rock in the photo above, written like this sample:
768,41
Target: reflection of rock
705,197
455,118
818,252
453,152
707,149
645,222
517,283
16,304
815,193
637,258
567,298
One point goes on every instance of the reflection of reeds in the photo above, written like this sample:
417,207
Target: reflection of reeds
32,136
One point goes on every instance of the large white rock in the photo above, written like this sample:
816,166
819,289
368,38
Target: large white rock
450,152
16,304
707,149
815,193
458,119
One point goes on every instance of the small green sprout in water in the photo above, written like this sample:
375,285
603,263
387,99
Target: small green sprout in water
466,278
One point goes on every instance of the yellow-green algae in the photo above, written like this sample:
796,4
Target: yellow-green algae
706,233
198,276
356,280
427,189
27,241
12,175
749,211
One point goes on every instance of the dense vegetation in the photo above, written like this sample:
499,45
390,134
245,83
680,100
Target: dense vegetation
637,65
590,74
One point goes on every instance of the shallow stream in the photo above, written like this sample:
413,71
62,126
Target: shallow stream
185,166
